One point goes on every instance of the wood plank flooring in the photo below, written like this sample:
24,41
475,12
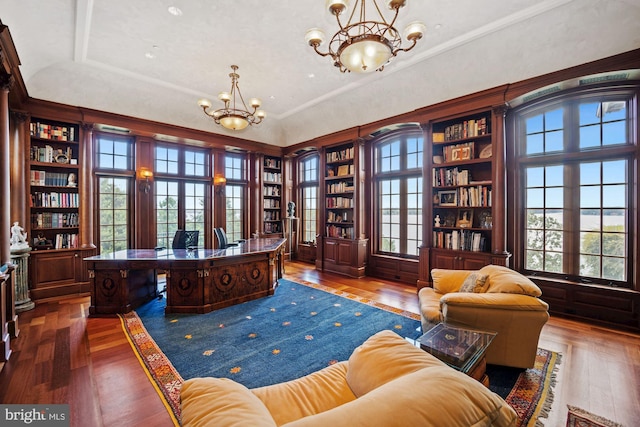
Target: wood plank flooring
63,356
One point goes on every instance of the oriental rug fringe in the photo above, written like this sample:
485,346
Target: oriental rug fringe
578,417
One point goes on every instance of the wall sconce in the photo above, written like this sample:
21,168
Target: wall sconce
219,182
145,186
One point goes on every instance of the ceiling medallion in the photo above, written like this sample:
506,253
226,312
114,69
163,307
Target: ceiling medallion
363,45
234,115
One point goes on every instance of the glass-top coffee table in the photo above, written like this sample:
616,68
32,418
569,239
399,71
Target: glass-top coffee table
461,348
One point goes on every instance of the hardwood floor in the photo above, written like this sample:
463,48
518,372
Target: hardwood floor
63,356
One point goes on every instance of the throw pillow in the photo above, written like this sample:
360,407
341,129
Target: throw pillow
506,281
475,282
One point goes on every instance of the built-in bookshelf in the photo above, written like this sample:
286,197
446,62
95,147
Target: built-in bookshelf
53,181
272,194
462,184
342,247
339,192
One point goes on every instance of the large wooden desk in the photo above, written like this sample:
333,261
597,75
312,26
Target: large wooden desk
198,281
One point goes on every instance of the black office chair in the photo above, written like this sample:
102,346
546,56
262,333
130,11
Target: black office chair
185,239
221,236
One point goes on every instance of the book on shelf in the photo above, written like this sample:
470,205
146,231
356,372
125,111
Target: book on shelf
466,129
271,163
53,132
272,216
44,220
54,200
53,179
342,216
272,227
446,177
339,155
271,190
339,231
460,240
340,187
339,202
273,176
458,152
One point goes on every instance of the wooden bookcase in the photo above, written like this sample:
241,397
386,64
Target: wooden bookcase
343,248
463,174
272,195
462,185
54,209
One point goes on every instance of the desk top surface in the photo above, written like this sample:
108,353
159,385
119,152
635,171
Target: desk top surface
248,247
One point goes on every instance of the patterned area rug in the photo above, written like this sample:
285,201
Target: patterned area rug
532,394
528,392
580,418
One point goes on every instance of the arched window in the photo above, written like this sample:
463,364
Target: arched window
575,157
308,184
398,194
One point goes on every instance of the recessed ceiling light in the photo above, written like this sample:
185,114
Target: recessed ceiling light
311,75
174,10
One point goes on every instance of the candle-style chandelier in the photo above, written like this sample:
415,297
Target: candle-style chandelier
364,45
234,115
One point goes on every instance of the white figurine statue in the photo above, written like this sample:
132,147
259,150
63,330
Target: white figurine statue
437,221
18,237
71,180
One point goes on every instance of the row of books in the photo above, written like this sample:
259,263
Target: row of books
339,155
271,163
340,187
271,190
478,196
338,216
55,200
339,202
341,170
462,240
458,152
48,154
272,227
447,177
273,176
465,129
43,220
52,132
271,203
54,179
343,232
272,216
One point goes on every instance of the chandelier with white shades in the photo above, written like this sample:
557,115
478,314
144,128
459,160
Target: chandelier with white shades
234,115
363,45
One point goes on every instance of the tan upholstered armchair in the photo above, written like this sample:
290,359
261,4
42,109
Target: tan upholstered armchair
493,298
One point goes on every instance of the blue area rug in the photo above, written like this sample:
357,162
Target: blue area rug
297,331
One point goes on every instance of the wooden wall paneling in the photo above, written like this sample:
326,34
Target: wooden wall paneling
499,202
219,206
255,189
19,146
86,190
5,177
144,202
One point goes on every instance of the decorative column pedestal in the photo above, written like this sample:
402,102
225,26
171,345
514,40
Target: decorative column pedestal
20,258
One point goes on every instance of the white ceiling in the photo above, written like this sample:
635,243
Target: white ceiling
91,53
